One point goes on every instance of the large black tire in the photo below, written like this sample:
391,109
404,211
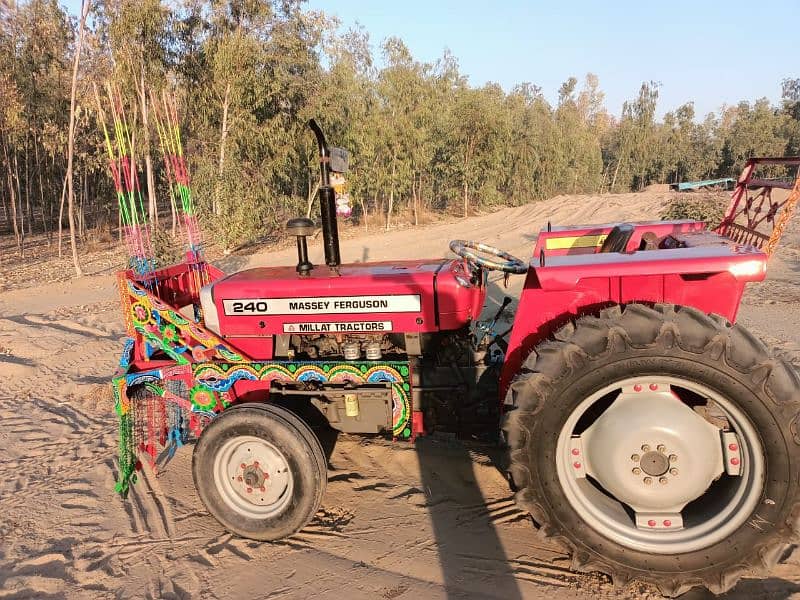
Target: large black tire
587,355
290,436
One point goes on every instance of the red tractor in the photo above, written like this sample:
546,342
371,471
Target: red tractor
653,436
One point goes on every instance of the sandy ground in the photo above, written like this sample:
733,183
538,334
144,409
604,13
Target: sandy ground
435,520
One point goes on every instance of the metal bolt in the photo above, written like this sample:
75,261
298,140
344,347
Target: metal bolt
648,480
575,452
661,448
673,471
255,464
249,490
645,448
636,471
243,466
673,457
663,480
734,461
240,478
635,457
263,488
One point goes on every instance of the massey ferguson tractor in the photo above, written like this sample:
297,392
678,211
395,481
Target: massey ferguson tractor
646,430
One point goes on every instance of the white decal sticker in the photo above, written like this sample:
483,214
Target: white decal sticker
246,306
355,326
323,305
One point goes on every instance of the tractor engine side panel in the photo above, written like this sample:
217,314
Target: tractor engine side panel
250,308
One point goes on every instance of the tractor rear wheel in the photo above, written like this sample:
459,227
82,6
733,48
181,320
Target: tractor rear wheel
260,471
659,444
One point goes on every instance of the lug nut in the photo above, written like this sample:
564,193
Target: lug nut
648,480
243,466
249,490
263,488
240,478
636,471
663,480
661,448
635,457
645,448
673,471
255,464
575,452
673,457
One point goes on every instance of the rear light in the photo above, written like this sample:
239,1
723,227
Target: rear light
748,268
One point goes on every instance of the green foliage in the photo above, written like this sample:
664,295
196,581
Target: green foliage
698,207
166,248
250,73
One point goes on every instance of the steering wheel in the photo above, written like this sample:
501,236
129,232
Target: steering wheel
468,251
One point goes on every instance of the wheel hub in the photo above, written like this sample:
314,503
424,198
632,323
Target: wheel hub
654,463
253,476
621,491
652,452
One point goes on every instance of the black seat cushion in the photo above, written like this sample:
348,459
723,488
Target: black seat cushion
618,238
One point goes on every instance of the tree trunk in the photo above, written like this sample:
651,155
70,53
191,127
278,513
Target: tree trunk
28,188
41,191
363,211
223,136
71,139
466,198
414,199
391,199
20,210
12,198
312,193
173,209
61,214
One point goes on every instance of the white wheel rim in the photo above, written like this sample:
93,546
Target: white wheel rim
253,477
611,517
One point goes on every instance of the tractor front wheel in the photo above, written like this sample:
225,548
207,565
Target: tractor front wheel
659,444
260,471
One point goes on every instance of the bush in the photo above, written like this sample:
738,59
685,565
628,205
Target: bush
698,207
167,250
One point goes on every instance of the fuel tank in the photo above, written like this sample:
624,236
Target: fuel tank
404,296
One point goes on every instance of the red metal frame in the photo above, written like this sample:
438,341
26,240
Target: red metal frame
760,209
709,276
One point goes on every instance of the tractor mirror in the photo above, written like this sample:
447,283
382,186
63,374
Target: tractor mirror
339,160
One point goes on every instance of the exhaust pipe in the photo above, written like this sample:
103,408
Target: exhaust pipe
327,201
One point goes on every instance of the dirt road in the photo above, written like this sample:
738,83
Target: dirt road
435,520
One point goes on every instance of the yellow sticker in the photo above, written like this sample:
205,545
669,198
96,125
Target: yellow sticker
575,241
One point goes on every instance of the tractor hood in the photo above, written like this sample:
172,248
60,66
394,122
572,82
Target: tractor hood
406,296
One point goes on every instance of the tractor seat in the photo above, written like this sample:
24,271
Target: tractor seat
301,226
618,238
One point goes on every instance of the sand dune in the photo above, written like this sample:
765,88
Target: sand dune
432,521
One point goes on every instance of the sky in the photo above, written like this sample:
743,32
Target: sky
712,52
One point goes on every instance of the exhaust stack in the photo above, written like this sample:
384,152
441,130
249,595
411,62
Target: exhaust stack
327,201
